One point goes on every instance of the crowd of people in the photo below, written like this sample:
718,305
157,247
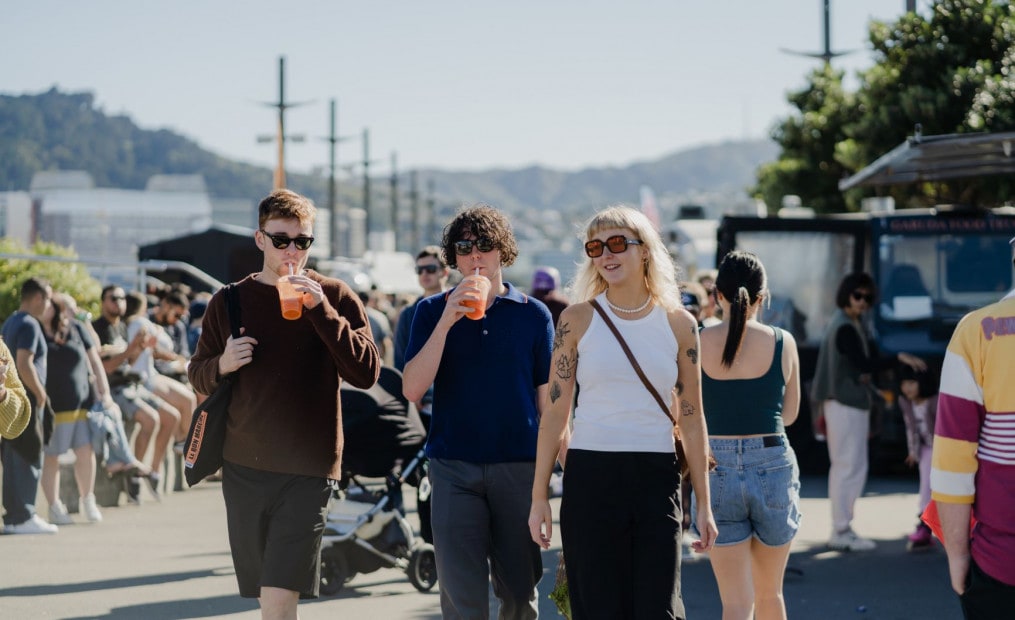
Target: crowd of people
636,375
121,375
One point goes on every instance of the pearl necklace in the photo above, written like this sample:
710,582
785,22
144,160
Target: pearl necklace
629,310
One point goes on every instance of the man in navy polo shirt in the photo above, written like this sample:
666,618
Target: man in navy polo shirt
489,377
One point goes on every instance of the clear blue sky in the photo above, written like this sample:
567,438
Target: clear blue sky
460,85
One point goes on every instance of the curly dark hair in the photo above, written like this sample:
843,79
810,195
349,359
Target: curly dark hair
480,220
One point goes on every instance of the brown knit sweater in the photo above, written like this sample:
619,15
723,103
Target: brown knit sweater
286,414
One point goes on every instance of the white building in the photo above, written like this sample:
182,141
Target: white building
16,216
107,224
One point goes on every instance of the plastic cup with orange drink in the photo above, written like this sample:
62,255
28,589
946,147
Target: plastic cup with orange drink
290,299
478,305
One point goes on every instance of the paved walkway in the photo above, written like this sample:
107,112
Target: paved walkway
171,560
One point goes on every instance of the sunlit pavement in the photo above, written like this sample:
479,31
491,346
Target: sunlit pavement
171,560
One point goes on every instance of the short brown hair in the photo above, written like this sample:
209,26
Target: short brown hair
286,204
480,220
433,251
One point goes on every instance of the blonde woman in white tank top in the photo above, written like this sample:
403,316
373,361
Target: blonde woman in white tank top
621,538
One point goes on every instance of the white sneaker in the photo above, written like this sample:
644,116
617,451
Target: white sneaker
58,514
35,525
849,541
90,509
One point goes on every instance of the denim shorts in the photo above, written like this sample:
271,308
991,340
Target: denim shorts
755,490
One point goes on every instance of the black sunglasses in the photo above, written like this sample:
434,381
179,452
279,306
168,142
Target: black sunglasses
616,243
868,297
464,247
116,298
421,269
281,242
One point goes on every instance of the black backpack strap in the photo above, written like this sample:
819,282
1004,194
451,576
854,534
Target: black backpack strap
233,307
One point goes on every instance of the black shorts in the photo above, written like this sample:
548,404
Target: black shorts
276,522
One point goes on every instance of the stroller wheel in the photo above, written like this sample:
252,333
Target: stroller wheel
334,572
423,568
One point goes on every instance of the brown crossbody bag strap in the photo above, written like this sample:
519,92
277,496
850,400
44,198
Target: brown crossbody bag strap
634,362
678,445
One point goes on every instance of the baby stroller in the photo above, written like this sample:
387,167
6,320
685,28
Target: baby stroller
365,529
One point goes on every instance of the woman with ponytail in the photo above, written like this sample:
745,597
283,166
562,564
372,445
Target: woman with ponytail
750,381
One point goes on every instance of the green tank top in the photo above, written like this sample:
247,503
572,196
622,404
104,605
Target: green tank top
746,406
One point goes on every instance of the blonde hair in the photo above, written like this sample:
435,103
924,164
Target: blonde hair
660,272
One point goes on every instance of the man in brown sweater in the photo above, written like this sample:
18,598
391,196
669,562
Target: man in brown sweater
283,448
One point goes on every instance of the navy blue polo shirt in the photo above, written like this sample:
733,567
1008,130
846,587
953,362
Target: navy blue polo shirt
484,407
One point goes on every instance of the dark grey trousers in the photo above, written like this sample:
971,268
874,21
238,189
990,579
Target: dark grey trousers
480,518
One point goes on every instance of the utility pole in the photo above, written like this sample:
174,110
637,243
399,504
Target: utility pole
827,54
333,183
431,216
366,182
339,215
280,135
414,210
394,198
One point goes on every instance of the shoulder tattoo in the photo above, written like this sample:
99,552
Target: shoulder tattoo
559,334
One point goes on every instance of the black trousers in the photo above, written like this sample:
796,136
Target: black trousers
986,598
620,521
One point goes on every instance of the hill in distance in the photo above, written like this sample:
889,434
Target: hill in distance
66,131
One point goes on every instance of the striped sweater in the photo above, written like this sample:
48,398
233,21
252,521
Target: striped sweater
974,438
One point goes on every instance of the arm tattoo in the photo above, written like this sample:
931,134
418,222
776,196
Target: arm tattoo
693,354
555,392
686,408
680,388
567,364
559,334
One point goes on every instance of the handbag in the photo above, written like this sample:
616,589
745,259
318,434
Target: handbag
207,435
678,445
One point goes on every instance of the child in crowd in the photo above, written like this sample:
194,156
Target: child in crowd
918,402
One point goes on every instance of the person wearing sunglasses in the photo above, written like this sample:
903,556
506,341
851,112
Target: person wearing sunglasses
489,379
843,386
622,552
283,447
432,273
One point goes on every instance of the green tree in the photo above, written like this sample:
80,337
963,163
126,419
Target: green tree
808,166
67,277
948,72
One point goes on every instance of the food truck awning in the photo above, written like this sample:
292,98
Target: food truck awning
938,158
